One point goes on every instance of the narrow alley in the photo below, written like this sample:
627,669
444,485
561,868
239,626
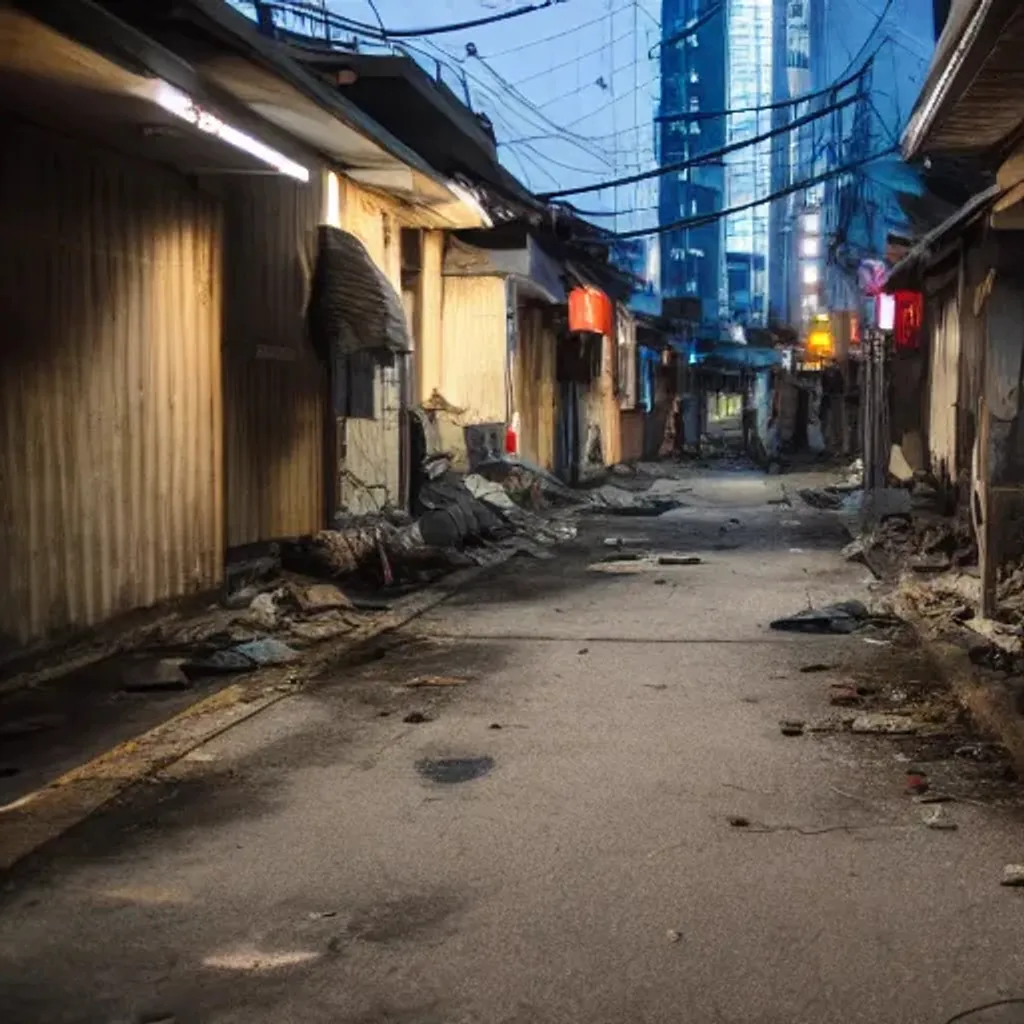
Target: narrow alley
597,819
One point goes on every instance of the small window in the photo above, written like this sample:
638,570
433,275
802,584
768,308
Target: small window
694,103
694,128
694,78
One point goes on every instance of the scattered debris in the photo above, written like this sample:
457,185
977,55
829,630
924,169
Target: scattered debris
673,935
1013,875
154,675
421,682
818,667
584,650
674,559
934,798
885,723
415,718
917,781
738,821
821,498
495,725
625,542
320,597
843,695
267,651
660,581
452,770
322,915
792,727
937,817
263,612
843,617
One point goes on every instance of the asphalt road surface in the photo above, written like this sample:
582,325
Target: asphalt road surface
548,840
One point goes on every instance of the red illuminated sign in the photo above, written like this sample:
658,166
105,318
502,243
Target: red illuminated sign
908,320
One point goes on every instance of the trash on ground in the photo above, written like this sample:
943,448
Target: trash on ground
917,781
415,718
821,498
792,727
425,682
674,559
1013,875
818,667
843,617
625,542
884,723
154,675
321,597
738,821
842,695
673,936
937,817
267,651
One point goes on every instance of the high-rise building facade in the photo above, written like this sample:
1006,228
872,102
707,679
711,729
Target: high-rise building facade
694,62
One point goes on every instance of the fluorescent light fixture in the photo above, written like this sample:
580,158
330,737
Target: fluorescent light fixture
174,101
812,223
810,273
809,246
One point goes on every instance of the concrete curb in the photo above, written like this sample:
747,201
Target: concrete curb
41,816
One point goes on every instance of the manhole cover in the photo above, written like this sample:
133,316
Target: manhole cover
449,770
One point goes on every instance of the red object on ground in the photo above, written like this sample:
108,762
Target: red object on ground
591,310
917,782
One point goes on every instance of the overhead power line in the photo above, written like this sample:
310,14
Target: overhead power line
699,115
556,35
798,186
382,32
710,156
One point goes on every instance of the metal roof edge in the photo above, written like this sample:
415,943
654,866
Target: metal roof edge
918,257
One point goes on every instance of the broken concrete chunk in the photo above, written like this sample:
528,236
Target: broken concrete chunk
1013,875
890,724
899,468
154,675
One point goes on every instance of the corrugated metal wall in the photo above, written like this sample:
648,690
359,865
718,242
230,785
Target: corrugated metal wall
474,359
110,460
274,387
371,449
536,389
944,385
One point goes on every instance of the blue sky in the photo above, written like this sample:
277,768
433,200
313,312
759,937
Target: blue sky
585,90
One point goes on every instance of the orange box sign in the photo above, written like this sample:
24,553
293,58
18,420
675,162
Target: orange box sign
591,310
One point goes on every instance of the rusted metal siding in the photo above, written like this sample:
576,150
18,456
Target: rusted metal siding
474,360
110,459
536,389
370,473
274,387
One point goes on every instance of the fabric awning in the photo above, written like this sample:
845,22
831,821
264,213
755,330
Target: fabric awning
353,307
